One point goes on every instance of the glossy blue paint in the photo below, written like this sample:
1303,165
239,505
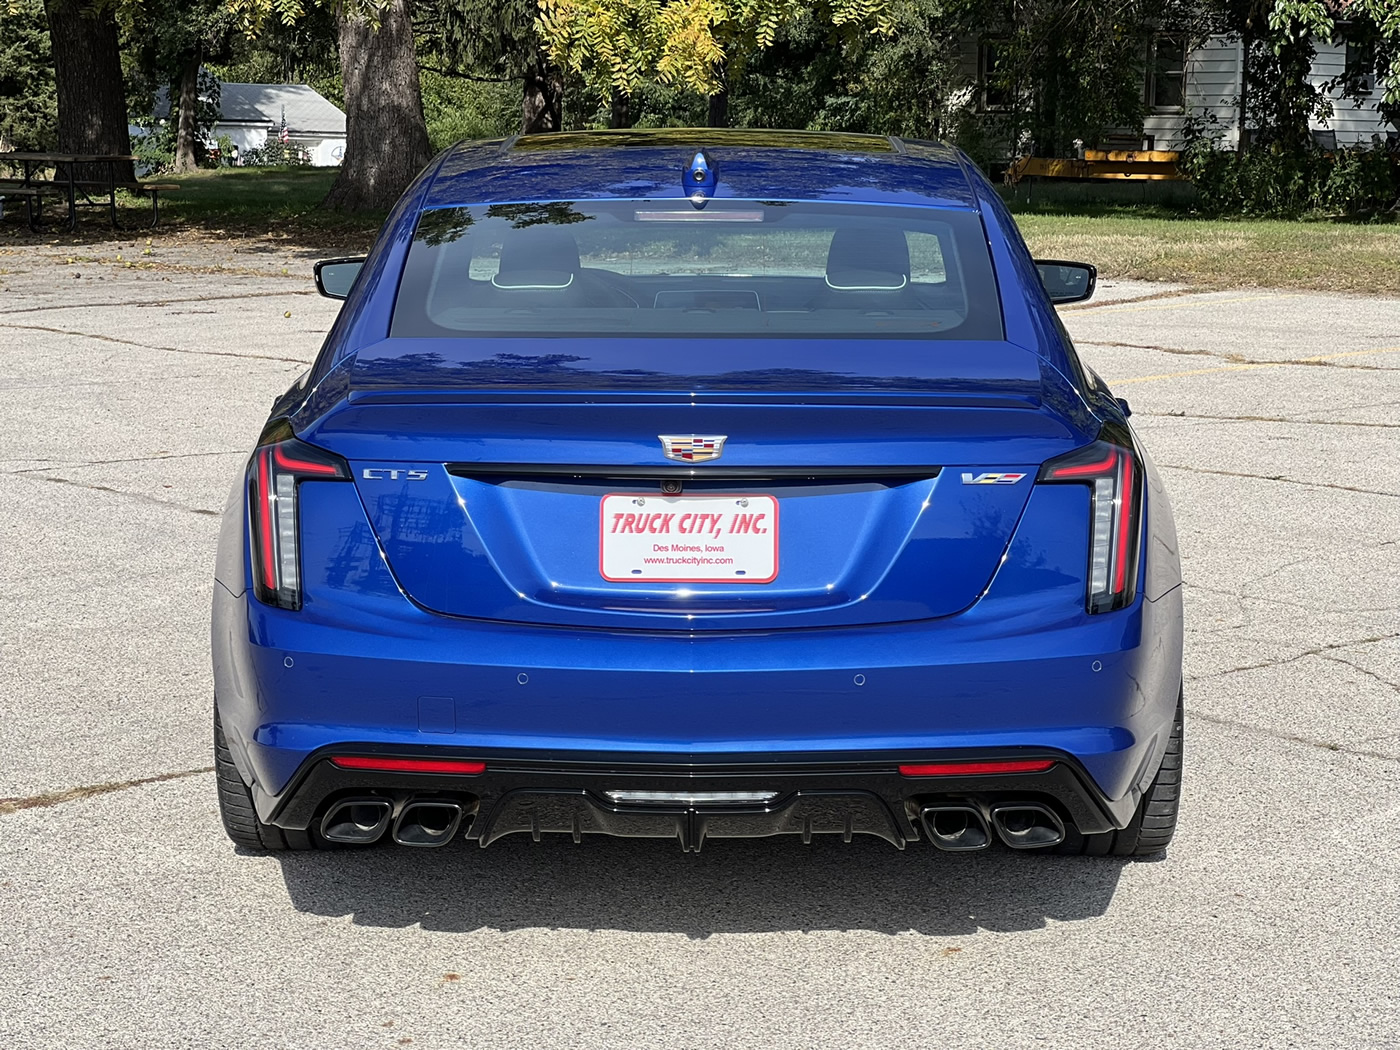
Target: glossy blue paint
959,609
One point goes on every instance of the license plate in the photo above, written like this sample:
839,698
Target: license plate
688,539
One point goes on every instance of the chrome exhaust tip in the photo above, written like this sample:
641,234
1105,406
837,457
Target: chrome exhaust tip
956,829
357,821
427,823
1028,825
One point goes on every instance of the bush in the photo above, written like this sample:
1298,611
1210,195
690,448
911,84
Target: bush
1275,180
276,154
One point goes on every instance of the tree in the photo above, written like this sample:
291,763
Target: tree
92,115
497,40
617,45
172,40
386,142
1376,23
28,103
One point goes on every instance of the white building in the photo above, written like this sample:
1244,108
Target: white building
1205,82
252,115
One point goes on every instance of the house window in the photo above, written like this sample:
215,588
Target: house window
1166,74
1360,67
993,93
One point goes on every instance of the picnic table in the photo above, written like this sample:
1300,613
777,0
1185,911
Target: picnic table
81,180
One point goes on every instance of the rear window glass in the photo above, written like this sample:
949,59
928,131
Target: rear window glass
667,268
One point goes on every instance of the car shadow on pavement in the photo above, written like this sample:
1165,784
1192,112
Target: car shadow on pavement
732,886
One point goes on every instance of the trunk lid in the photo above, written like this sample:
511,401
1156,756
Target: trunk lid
835,506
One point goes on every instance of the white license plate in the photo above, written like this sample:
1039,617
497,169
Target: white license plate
688,539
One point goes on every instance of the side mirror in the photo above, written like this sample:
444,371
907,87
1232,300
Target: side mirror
1067,282
335,277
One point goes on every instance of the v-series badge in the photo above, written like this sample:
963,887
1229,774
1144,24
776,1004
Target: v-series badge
388,474
991,479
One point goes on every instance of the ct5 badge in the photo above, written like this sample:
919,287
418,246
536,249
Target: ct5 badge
991,479
393,474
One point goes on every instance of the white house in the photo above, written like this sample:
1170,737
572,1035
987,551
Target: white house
253,115
1205,82
250,113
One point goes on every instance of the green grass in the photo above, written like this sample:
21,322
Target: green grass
259,200
1223,253
1149,231
1148,235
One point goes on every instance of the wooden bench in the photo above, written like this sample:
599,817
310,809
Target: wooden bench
16,188
1137,165
74,178
139,188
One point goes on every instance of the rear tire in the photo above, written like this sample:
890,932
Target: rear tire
1151,829
236,806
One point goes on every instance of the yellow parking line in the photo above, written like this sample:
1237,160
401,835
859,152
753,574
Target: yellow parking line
1109,308
1255,364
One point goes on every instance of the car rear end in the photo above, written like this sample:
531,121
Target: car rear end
738,517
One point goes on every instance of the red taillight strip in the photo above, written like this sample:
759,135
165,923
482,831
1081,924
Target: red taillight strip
409,765
957,769
304,466
1086,470
1127,492
266,554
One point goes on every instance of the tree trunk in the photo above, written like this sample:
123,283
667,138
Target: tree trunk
88,76
621,115
719,109
185,159
718,116
542,108
386,138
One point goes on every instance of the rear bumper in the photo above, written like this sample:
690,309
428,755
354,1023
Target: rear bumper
857,702
843,795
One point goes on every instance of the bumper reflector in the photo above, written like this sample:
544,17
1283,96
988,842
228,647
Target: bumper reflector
691,798
962,769
409,765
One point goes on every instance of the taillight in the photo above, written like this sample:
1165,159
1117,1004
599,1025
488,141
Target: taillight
1110,468
278,466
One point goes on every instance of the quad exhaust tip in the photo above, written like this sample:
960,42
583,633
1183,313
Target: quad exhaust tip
956,829
427,823
1028,825
356,821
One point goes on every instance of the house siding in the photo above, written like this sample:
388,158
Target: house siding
1354,124
1212,95
1212,92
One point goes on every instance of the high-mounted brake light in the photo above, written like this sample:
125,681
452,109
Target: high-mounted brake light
278,466
409,765
973,768
1109,466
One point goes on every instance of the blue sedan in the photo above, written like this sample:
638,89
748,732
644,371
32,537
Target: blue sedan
700,483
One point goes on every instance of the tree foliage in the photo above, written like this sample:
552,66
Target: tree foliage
28,97
618,45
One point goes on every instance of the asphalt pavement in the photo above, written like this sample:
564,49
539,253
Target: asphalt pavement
128,400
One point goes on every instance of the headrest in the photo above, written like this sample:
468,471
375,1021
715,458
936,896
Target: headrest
868,259
537,257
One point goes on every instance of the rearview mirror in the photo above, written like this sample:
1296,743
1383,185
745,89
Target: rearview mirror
1067,282
335,277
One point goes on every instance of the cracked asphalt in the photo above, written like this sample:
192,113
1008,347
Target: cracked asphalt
131,395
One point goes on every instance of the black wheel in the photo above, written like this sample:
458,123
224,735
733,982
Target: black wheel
236,806
1151,829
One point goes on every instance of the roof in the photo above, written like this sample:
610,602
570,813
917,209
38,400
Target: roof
751,164
308,111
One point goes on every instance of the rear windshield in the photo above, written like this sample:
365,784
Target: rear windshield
668,268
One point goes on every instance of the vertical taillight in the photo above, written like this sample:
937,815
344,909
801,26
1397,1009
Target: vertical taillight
278,466
1110,468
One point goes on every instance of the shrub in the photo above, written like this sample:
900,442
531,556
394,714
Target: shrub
1283,181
